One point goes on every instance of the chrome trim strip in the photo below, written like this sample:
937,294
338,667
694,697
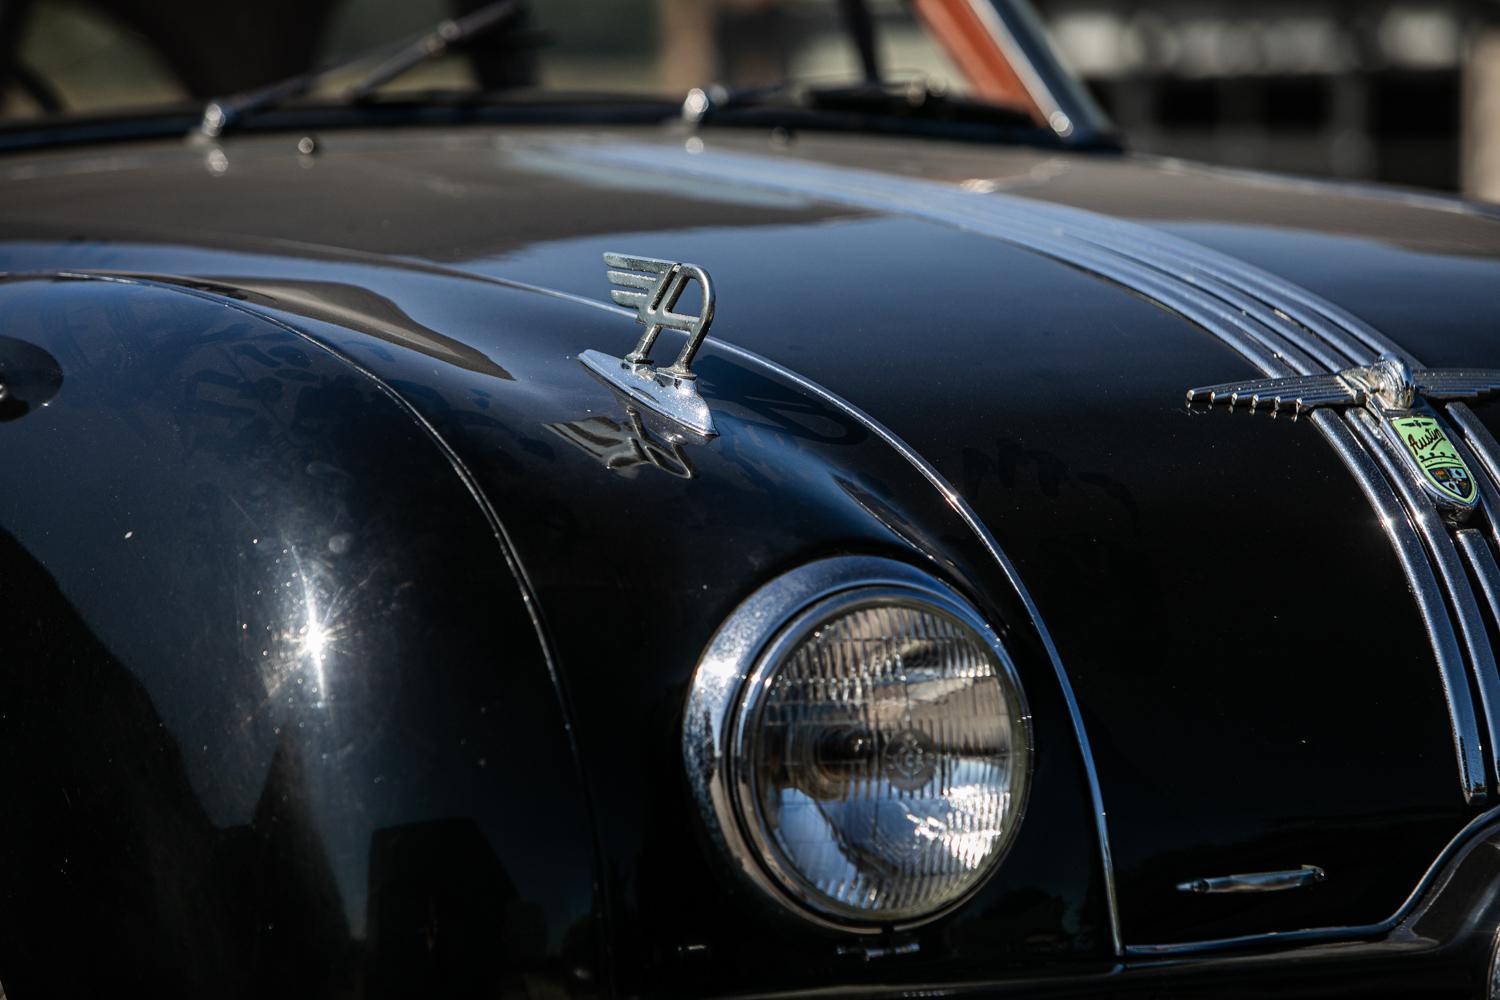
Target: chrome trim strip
1450,570
1486,489
1471,836
1263,296
1256,881
1487,452
1486,569
1351,337
1054,231
970,518
1431,605
1340,329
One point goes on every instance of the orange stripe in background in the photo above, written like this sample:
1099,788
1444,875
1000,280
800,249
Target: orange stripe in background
963,35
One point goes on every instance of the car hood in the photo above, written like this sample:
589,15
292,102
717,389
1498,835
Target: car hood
1258,684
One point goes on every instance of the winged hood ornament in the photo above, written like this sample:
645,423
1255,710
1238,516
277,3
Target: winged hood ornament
1396,394
652,287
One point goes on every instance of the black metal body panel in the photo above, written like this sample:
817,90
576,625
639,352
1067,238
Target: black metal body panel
268,686
1209,579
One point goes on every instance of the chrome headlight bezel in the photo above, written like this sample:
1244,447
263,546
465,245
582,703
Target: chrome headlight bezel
739,660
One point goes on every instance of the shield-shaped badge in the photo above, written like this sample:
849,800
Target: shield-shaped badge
1436,457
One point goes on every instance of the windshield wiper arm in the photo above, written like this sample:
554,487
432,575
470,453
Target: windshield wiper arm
224,113
442,38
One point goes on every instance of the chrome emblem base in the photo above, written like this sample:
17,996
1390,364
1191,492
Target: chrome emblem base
671,396
1396,396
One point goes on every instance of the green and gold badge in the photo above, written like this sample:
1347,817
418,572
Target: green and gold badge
1436,457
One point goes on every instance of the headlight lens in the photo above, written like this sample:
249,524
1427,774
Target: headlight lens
876,754
880,757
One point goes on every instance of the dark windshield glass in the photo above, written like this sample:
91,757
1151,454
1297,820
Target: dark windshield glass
78,56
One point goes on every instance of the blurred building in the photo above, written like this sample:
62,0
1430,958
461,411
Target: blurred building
1402,92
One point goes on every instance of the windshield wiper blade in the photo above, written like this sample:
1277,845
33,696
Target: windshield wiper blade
224,113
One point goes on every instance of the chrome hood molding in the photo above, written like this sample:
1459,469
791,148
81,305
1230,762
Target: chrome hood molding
1280,328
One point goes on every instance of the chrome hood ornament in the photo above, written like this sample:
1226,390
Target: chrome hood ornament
653,287
1395,395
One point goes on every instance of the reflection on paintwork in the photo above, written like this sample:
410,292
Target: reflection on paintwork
357,308
626,448
552,162
29,378
268,640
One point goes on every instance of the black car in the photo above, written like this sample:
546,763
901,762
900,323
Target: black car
800,540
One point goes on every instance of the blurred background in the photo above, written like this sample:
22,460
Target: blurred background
1403,92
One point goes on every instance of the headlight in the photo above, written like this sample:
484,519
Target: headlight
859,743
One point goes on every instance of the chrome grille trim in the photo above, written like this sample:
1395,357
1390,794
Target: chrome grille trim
1450,570
1487,450
1425,588
1486,570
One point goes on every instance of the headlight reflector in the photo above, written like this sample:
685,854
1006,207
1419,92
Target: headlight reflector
872,764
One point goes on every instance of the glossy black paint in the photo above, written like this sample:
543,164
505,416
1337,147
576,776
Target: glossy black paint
269,684
635,567
1205,576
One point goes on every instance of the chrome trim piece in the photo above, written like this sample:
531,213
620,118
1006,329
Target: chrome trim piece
1463,722
1256,294
1450,570
1063,234
1389,383
1469,444
970,518
1476,832
1295,395
736,661
652,287
675,398
1297,878
1486,569
1492,976
1486,452
1389,391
